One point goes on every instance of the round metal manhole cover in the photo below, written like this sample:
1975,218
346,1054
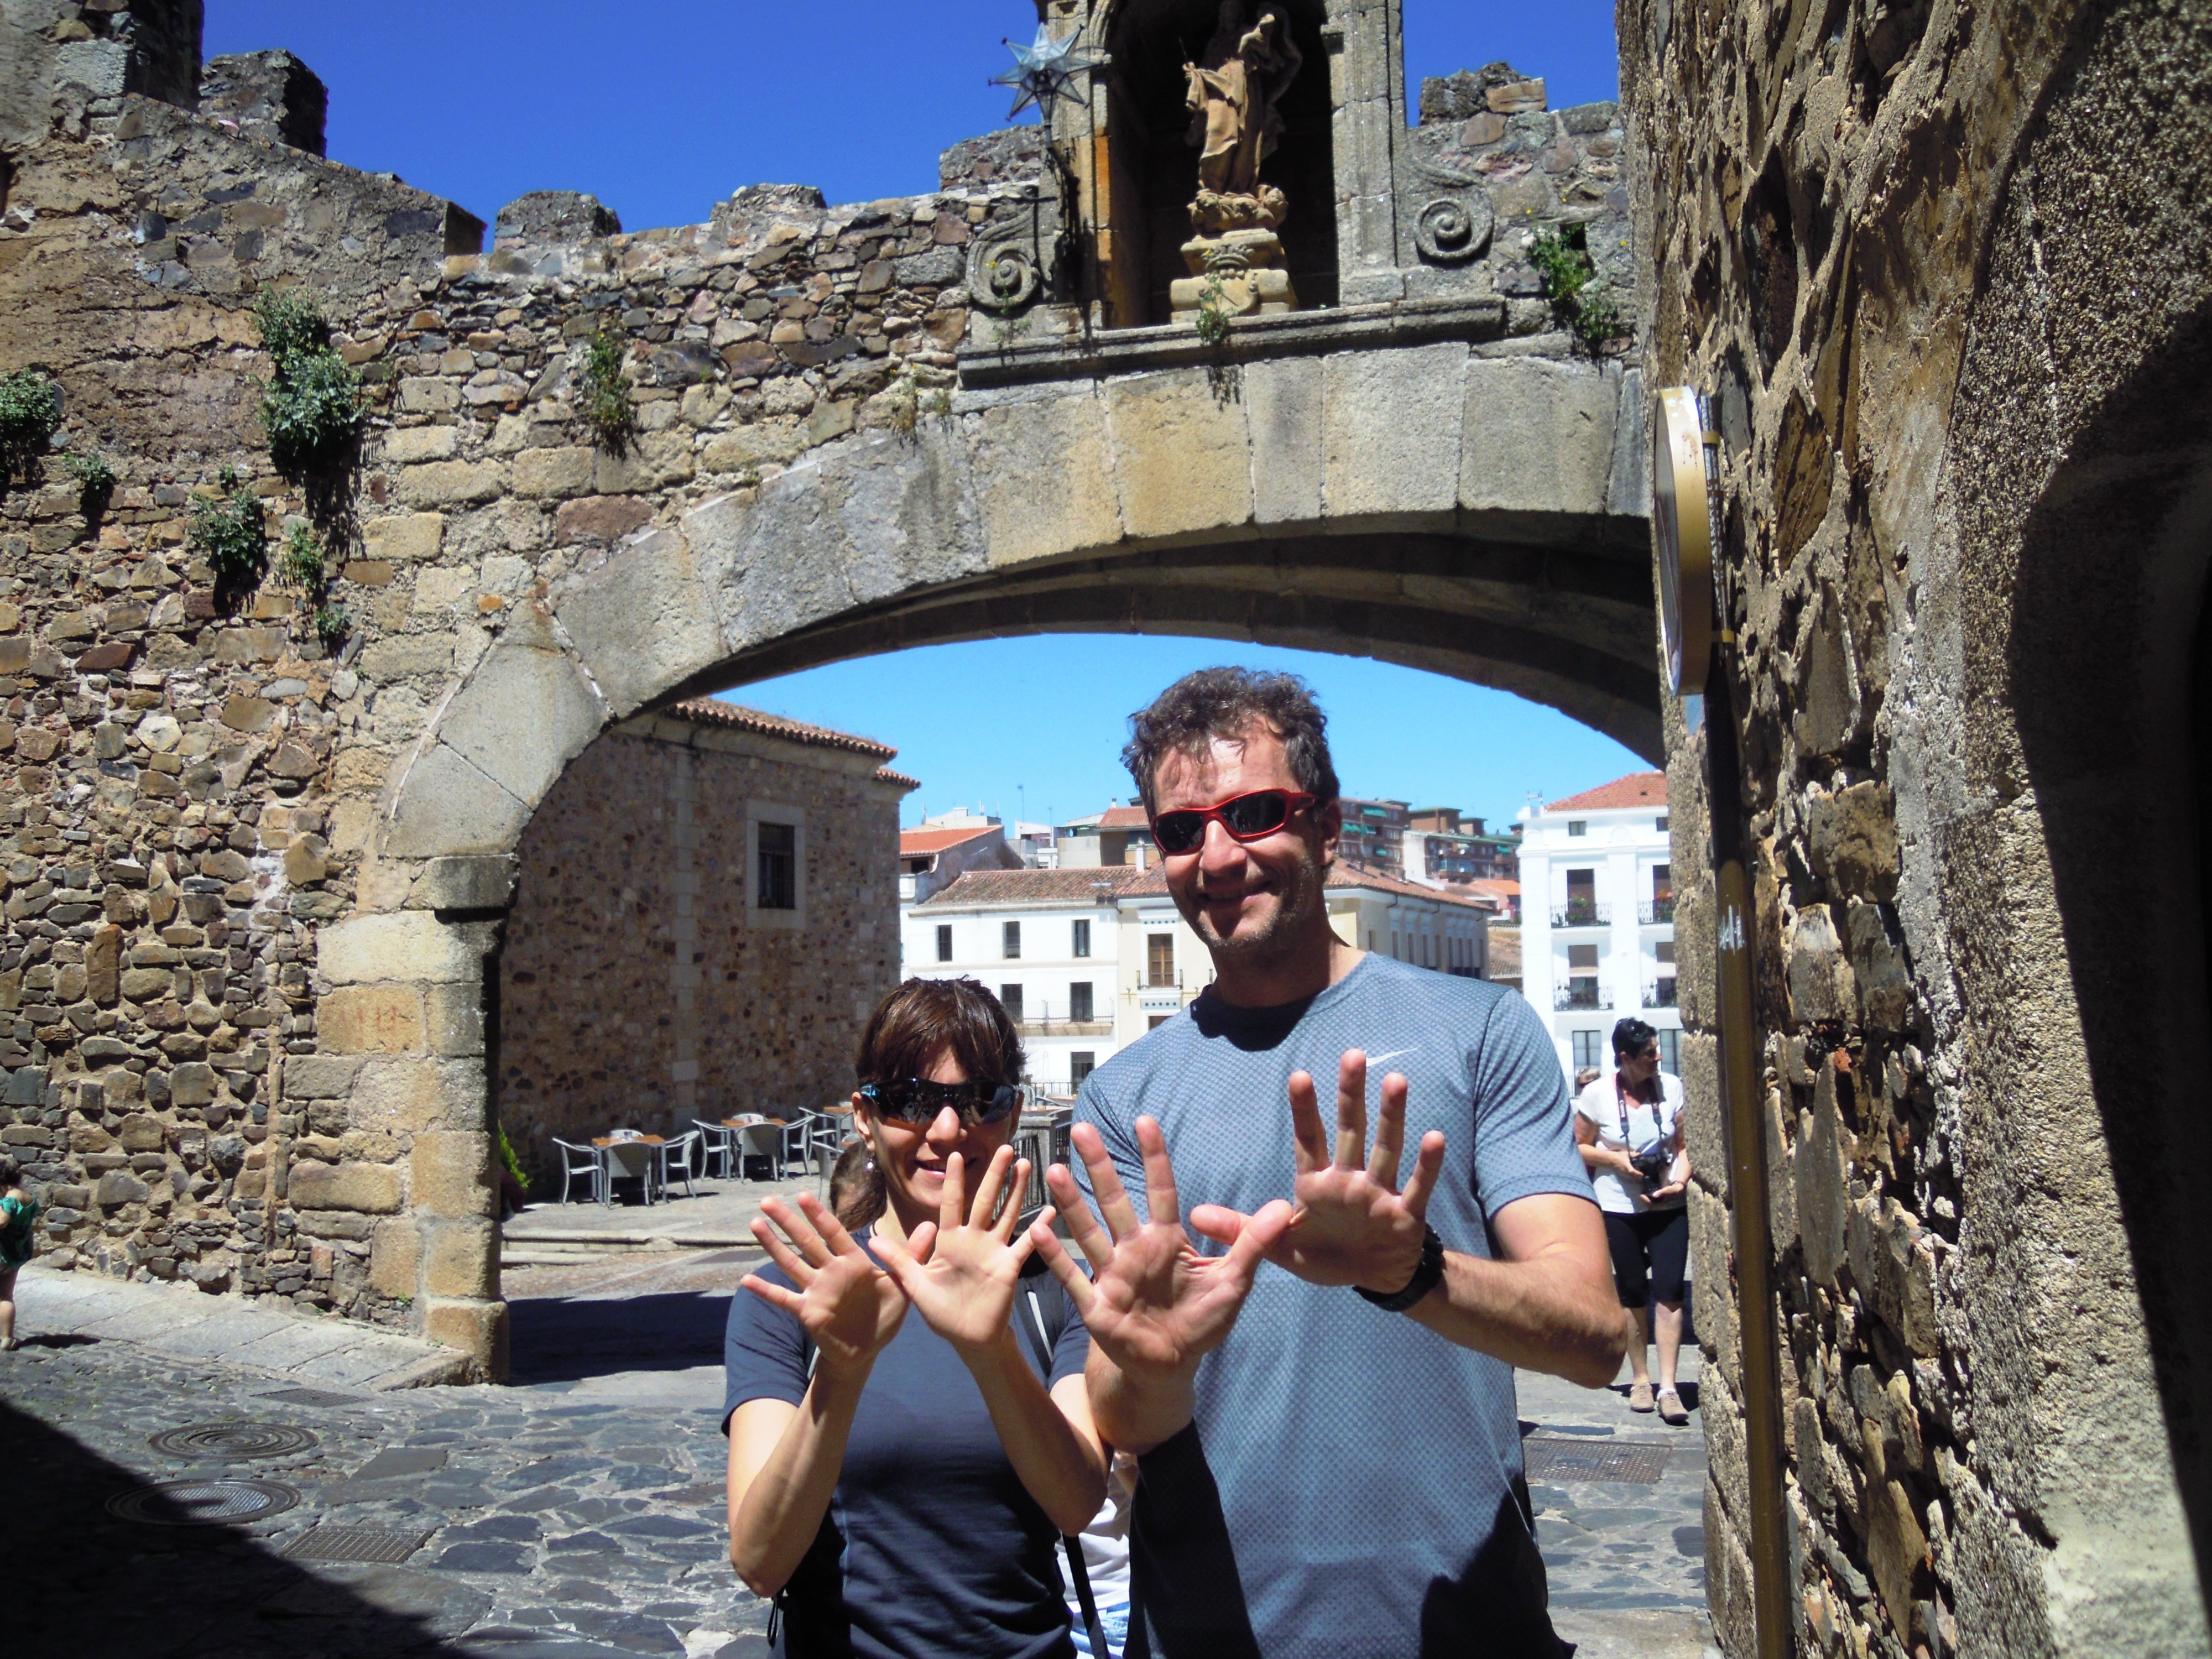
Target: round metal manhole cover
204,1502
229,1442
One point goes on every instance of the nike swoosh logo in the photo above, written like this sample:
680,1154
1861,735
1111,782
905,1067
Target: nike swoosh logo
1376,1059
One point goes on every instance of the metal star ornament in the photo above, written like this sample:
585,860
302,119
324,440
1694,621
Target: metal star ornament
1043,71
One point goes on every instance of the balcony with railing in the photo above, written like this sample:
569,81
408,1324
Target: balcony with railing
1657,912
1576,993
1582,913
1063,1028
1660,995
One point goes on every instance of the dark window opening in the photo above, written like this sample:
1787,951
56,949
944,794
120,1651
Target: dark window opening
1082,939
1159,959
945,942
1009,941
1010,998
1078,1001
779,867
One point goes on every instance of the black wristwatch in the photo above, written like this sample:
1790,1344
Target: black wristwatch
1426,1277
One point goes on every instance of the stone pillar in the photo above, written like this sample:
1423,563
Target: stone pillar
1367,91
270,94
402,998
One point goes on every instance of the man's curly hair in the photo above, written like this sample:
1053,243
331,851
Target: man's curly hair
1228,703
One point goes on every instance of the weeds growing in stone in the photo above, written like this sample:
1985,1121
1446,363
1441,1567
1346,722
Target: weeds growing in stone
333,623
1567,270
95,475
602,394
29,413
300,564
1212,320
228,533
311,409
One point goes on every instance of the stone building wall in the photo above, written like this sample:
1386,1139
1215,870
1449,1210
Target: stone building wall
636,990
1944,275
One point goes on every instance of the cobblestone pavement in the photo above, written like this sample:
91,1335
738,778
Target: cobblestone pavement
576,1516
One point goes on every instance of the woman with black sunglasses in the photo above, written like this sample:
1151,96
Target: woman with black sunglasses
898,1485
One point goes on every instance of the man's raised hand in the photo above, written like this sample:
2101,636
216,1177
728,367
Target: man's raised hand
1352,1225
1155,1306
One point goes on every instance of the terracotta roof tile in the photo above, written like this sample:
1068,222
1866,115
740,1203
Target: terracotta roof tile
919,843
713,711
1080,886
1636,789
885,775
1124,817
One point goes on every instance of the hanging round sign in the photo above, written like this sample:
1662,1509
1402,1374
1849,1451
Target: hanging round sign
1681,523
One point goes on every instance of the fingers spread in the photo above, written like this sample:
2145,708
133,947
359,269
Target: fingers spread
1119,1214
801,1273
1159,1175
1427,1166
1082,1225
775,1295
1352,1110
799,1228
1218,1223
1012,1218
1389,1134
1306,1126
1047,1244
951,1198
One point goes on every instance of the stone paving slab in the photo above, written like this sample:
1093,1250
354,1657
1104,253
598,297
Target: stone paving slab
722,1215
184,1324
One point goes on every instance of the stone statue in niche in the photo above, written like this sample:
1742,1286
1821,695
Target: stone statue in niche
1232,95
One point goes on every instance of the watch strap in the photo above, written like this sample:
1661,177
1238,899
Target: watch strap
1427,1276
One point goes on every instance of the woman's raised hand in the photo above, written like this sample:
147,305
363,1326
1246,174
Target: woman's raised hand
962,1281
847,1305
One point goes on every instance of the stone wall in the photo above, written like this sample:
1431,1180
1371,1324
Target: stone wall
1908,252
636,990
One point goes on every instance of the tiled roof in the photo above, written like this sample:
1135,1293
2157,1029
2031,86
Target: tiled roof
885,775
1124,817
1078,885
920,843
713,711
1636,789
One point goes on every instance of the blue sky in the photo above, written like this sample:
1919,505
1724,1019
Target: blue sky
661,109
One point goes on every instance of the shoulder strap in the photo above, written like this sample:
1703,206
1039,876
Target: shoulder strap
1043,1331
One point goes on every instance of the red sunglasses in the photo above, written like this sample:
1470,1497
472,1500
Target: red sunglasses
1246,817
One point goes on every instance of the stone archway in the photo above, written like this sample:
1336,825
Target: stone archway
1426,504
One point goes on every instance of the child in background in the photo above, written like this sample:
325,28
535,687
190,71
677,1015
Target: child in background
856,1191
18,1210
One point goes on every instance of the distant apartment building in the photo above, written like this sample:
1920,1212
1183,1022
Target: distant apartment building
947,847
1598,917
1089,958
1374,835
1443,844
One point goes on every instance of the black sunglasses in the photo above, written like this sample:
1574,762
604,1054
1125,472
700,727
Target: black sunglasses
917,1100
1246,817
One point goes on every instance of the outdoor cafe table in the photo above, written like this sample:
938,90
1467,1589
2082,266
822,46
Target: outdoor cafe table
605,1143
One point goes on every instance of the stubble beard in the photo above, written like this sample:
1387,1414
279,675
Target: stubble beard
1276,940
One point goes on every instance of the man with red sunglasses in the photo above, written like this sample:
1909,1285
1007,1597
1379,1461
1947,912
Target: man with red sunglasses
1329,1457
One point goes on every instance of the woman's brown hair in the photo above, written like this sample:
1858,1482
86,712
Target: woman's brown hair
918,1021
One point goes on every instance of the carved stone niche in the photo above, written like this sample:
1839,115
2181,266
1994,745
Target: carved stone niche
1277,231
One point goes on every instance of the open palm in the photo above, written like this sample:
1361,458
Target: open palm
1154,1304
964,1283
850,1308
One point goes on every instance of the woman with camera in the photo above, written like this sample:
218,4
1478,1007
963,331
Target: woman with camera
1628,1124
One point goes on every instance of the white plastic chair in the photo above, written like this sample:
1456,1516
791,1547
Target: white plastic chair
679,1159
630,1160
761,1140
720,1146
579,1161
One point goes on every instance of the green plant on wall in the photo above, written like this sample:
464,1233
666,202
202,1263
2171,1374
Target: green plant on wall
507,1158
95,475
1212,320
602,394
300,565
333,623
29,414
1566,271
311,409
228,532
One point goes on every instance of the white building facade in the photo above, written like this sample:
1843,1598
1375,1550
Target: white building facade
1088,959
1597,898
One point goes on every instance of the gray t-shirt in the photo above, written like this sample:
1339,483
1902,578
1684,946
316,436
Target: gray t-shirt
1351,1484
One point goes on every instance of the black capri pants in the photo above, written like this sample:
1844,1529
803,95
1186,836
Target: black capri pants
1651,1255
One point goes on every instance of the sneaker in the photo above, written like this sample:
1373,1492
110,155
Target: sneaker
1671,1408
1639,1397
